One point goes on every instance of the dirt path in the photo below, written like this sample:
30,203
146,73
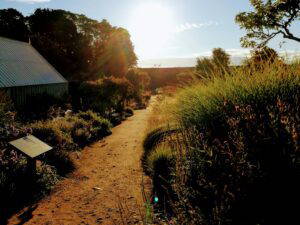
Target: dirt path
109,173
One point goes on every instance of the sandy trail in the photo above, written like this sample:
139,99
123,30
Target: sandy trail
109,173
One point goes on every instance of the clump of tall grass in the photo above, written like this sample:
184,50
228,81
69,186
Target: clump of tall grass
201,103
155,138
237,153
161,162
159,129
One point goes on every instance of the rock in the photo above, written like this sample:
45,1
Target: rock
97,189
69,112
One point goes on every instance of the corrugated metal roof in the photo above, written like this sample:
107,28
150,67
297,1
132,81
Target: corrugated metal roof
22,65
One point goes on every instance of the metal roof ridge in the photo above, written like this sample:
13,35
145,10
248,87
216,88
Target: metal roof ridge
14,40
46,61
31,85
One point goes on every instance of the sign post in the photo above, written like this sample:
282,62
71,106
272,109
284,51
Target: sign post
32,147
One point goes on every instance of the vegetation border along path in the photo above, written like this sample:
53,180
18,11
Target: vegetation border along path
106,187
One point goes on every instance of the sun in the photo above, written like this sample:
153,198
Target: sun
151,26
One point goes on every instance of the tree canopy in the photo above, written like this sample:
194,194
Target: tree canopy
78,47
220,58
270,18
13,25
264,54
260,57
218,64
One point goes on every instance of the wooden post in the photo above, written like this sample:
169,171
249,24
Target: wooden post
31,166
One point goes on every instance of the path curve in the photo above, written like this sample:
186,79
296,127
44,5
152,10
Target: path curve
108,181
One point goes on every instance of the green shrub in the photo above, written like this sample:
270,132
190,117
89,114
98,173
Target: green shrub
60,160
241,141
90,127
100,127
105,95
68,134
46,179
91,98
57,133
52,133
81,136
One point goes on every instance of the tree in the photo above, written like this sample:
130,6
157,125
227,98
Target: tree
215,66
80,48
264,54
261,58
269,19
54,34
13,25
139,79
140,83
118,90
119,53
220,58
204,68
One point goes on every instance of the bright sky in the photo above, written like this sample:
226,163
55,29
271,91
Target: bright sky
165,32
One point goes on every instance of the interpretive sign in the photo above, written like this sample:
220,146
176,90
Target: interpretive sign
31,146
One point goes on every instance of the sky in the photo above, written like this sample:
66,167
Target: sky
167,33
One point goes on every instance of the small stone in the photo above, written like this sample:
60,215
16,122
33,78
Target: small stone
97,189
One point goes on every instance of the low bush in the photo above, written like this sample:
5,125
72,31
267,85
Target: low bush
99,127
60,160
68,134
156,137
53,133
106,95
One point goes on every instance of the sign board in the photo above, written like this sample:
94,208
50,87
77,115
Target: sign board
31,146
